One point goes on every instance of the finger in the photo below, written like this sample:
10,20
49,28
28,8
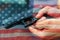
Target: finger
34,31
37,24
42,18
39,15
48,34
42,12
44,34
49,24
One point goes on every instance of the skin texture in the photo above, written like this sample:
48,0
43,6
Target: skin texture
58,4
51,11
41,29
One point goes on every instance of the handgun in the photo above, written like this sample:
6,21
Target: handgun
23,18
30,18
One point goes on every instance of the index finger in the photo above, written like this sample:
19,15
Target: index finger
42,12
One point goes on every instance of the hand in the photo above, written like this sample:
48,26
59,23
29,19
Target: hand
45,32
51,11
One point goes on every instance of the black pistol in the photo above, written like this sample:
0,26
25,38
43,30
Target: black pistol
30,20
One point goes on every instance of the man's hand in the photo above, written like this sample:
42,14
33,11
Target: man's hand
46,29
43,31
